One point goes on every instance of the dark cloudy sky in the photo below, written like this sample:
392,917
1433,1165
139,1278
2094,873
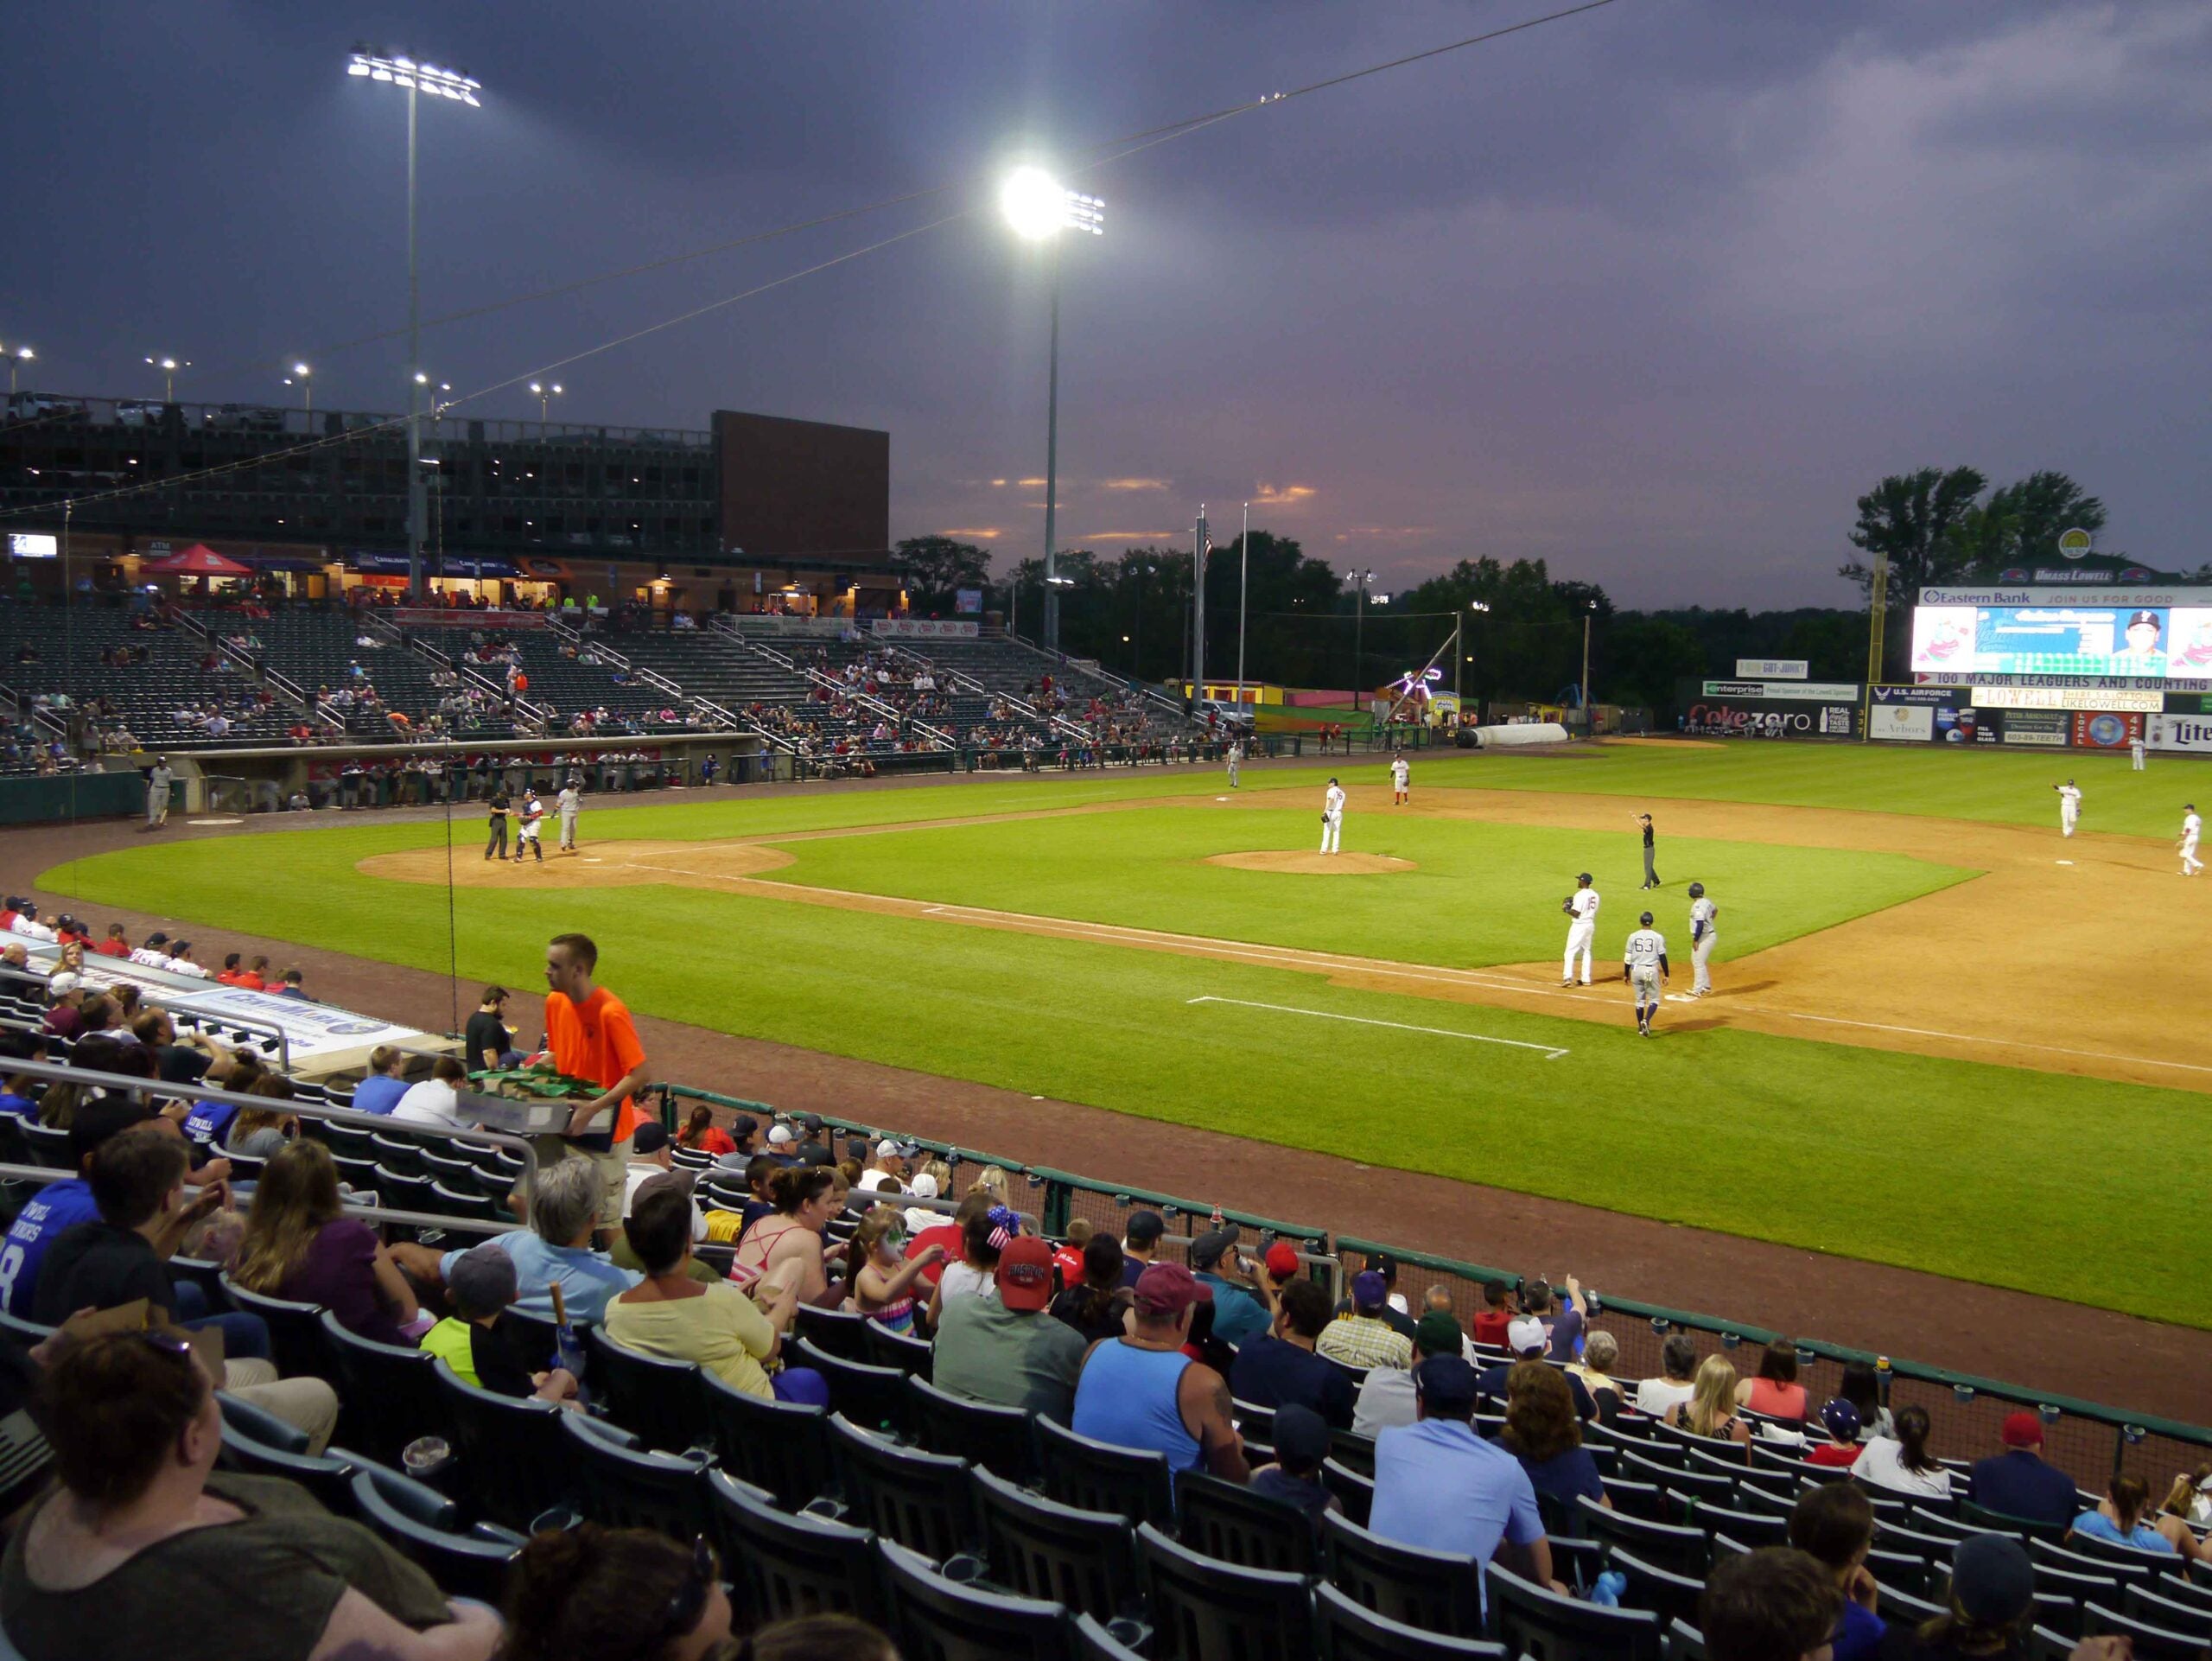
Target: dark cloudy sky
1652,293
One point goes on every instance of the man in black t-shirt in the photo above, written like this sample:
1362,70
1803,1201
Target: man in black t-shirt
101,1265
488,1042
495,845
1650,870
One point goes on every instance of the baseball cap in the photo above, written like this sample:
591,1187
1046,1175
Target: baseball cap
2023,1430
779,1136
1282,1260
1024,1275
1437,1333
1841,1419
1992,1580
1207,1249
1526,1334
742,1126
1368,1291
2150,617
1446,1385
650,1137
1165,1289
892,1147
810,1123
64,982
1301,1436
158,939
681,1181
482,1282
1144,1227
924,1186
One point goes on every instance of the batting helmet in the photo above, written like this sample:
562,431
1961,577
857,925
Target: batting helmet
1646,920
1697,890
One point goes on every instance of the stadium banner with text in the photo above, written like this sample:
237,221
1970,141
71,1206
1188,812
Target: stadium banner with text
924,628
1950,714
1709,713
1772,668
438,617
2069,635
2106,729
2048,728
1809,692
2189,732
2089,699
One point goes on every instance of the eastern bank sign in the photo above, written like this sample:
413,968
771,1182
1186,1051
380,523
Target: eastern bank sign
2129,598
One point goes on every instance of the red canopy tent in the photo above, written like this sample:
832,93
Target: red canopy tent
199,560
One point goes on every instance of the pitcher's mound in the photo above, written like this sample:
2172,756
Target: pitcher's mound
597,865
1314,864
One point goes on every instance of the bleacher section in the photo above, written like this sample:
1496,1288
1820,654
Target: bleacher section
68,643
317,650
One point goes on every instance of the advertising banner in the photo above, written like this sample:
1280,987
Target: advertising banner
1811,691
1708,714
2126,596
438,617
1772,668
2047,728
2106,729
926,628
2070,636
968,602
1930,695
1901,723
2066,697
2189,732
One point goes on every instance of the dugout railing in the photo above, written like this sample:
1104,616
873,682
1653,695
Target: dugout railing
2088,1440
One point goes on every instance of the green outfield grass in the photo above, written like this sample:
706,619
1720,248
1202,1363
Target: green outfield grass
2043,1182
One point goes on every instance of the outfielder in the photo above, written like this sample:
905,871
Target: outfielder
1644,965
2135,754
533,813
1703,913
571,802
1400,773
1236,759
1582,906
1332,818
2070,807
2191,828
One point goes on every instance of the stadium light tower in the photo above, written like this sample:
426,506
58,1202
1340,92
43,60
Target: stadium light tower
17,357
1039,208
169,366
545,393
301,378
412,77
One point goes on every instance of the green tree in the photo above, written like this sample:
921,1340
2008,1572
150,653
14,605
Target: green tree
1916,521
934,568
2019,524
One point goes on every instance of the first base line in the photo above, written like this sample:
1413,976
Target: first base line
1549,1052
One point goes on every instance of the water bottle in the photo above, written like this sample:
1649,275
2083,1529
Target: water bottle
568,1348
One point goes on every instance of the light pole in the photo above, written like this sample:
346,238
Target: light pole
169,366
1243,568
1461,655
545,395
1359,640
1039,208
16,358
1584,687
412,78
300,378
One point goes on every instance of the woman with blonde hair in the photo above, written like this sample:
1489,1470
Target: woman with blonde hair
883,1282
1601,1353
262,1132
993,1180
2190,1497
300,1245
1711,1409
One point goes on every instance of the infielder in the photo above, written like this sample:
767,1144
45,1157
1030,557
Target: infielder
1644,965
571,802
2070,807
1703,916
533,814
1332,818
2191,828
158,778
1400,773
1582,906
1236,759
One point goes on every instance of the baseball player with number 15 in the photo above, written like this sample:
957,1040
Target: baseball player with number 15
1582,906
1644,965
1704,919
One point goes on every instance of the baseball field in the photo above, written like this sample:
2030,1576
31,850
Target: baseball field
1941,1037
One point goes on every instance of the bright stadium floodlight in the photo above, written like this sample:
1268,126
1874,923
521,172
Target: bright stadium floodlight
302,377
169,366
413,77
1038,207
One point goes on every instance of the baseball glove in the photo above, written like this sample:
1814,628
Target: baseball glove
1567,905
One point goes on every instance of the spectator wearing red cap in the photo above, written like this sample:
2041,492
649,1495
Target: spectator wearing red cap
1279,1368
2019,1482
1006,1350
1141,1390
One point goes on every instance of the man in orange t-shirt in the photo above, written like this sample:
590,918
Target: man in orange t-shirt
590,1033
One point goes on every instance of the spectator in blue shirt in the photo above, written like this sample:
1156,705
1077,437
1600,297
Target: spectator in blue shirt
58,1206
20,1096
1440,1487
386,1083
2019,1482
1834,1524
1240,1310
1542,1432
2119,1521
555,1248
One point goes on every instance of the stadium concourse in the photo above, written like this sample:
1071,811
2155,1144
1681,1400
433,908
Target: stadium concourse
998,1409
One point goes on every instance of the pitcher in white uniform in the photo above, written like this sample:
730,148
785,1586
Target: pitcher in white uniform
1582,906
1703,915
2070,807
1644,965
2191,829
1332,818
1400,773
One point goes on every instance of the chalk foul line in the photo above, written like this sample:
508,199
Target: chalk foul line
1550,1052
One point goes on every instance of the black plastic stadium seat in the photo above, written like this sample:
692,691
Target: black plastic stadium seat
1099,1477
1663,1545
933,1616
294,1330
1434,1591
1355,1492
1669,1595
662,1403
1752,1528
424,1527
1093,1642
835,1331
515,1461
921,1500
1202,1609
786,1564
1533,1621
1041,1549
1348,1631
781,1448
1231,1525
624,1485
387,1393
885,1348
997,1438
871,1397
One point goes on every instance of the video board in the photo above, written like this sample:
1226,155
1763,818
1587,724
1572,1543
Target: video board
2063,637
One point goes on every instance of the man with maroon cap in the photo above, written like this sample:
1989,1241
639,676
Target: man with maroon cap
2019,1482
1141,1390
1006,1351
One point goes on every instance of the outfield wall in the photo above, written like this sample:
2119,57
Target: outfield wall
1768,709
2014,715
